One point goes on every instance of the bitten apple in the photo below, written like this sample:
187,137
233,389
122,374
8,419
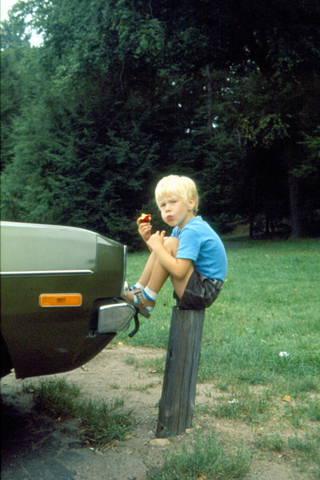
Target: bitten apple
145,217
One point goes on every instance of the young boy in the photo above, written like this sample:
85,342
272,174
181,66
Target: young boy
194,256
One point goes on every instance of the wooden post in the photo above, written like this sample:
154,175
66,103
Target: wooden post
180,377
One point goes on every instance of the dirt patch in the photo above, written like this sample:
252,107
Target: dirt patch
36,448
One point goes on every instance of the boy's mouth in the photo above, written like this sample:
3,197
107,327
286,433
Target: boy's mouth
169,218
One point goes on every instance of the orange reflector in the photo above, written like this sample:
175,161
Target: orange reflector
60,300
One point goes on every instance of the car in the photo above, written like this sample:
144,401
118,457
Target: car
61,299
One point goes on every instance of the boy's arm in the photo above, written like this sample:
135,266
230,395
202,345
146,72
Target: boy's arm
177,267
145,231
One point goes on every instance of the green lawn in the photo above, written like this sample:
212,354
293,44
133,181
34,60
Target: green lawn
270,304
261,343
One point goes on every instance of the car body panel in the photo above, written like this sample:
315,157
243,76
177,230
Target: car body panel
44,260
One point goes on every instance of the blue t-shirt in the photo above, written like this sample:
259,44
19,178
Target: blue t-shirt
200,243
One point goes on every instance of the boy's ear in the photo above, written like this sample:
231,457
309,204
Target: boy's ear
192,203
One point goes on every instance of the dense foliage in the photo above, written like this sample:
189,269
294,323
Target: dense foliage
123,92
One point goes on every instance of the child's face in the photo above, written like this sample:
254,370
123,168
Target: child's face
175,211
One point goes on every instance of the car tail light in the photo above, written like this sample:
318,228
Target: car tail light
60,300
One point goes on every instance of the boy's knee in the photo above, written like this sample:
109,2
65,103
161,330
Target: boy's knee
171,244
171,241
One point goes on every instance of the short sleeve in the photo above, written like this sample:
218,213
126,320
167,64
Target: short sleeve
189,244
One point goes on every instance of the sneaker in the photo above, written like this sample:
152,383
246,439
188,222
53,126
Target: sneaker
138,300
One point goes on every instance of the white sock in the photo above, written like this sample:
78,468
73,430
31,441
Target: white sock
138,285
151,293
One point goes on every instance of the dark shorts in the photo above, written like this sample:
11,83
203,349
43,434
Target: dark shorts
200,292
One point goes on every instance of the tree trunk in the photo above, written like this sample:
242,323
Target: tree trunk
209,99
292,160
296,228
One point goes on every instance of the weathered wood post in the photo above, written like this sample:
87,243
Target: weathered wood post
180,377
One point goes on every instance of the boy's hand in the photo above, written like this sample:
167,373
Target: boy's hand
156,240
144,229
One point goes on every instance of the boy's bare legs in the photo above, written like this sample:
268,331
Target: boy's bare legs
154,276
171,244
146,274
159,274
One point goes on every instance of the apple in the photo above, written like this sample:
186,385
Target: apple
145,217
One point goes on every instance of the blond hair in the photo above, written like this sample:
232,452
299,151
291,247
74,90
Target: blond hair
174,185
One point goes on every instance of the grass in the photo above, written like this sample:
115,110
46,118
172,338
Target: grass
203,458
270,304
100,422
303,449
261,343
253,408
142,388
54,397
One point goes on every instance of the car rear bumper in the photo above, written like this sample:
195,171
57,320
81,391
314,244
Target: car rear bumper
115,317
